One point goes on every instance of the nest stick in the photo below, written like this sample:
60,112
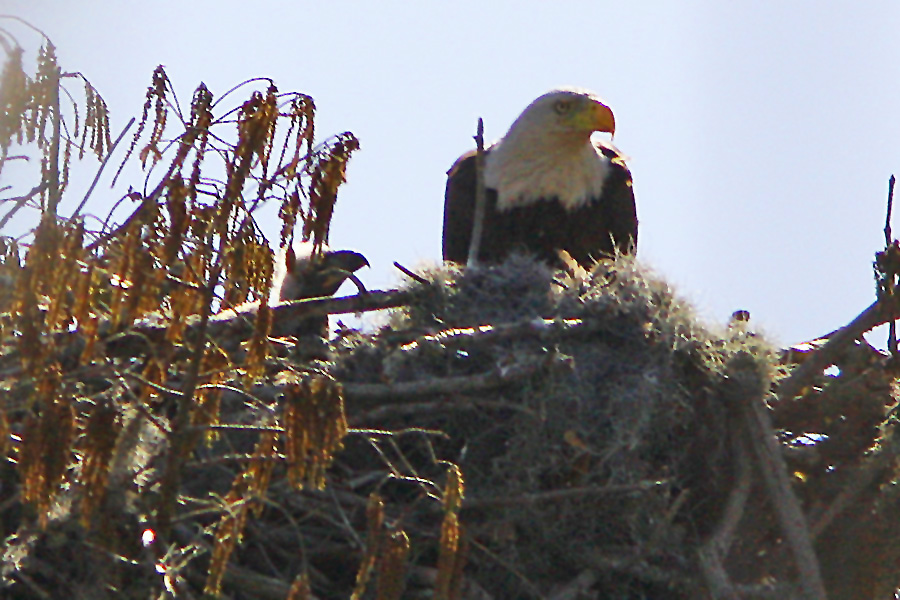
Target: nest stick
714,574
556,495
877,313
888,241
20,201
410,274
787,506
864,476
888,237
497,377
538,329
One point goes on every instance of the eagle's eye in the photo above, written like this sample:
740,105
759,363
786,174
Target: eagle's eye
562,106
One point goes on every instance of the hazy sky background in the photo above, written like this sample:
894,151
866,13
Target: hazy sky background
761,137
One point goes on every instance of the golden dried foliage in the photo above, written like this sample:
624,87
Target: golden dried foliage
156,93
386,556
31,112
14,99
239,503
248,266
134,288
96,122
47,445
228,533
216,367
258,346
374,536
5,433
451,554
77,302
314,427
328,173
44,94
261,466
97,444
300,589
392,566
454,490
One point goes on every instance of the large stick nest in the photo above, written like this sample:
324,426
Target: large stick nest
612,446
601,431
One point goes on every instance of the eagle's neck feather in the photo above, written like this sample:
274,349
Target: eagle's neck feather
525,169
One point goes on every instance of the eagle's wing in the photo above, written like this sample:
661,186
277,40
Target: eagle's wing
459,208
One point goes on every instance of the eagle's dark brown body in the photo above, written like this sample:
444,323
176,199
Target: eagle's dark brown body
588,233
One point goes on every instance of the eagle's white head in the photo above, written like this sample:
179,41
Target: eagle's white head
548,153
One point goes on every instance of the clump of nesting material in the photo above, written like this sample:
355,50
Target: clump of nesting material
599,436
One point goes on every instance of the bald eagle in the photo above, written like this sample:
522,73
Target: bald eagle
549,185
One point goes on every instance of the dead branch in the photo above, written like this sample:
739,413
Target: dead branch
787,506
747,388
637,566
722,537
888,238
859,481
410,274
100,169
233,325
888,242
557,495
393,411
20,201
714,574
538,329
711,552
577,587
317,307
498,377
878,313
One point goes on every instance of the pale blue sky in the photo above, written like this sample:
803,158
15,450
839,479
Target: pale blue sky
761,137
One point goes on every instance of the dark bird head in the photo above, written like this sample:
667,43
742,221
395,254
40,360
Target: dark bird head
315,275
307,275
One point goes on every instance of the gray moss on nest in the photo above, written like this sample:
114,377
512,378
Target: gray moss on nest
633,401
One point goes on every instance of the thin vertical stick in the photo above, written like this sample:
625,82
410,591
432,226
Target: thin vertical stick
889,285
890,205
480,197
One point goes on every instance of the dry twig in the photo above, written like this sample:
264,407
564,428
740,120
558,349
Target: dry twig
100,169
878,313
21,201
499,376
563,494
787,506
537,329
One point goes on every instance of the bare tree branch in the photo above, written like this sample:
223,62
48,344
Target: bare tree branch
100,170
878,313
20,201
